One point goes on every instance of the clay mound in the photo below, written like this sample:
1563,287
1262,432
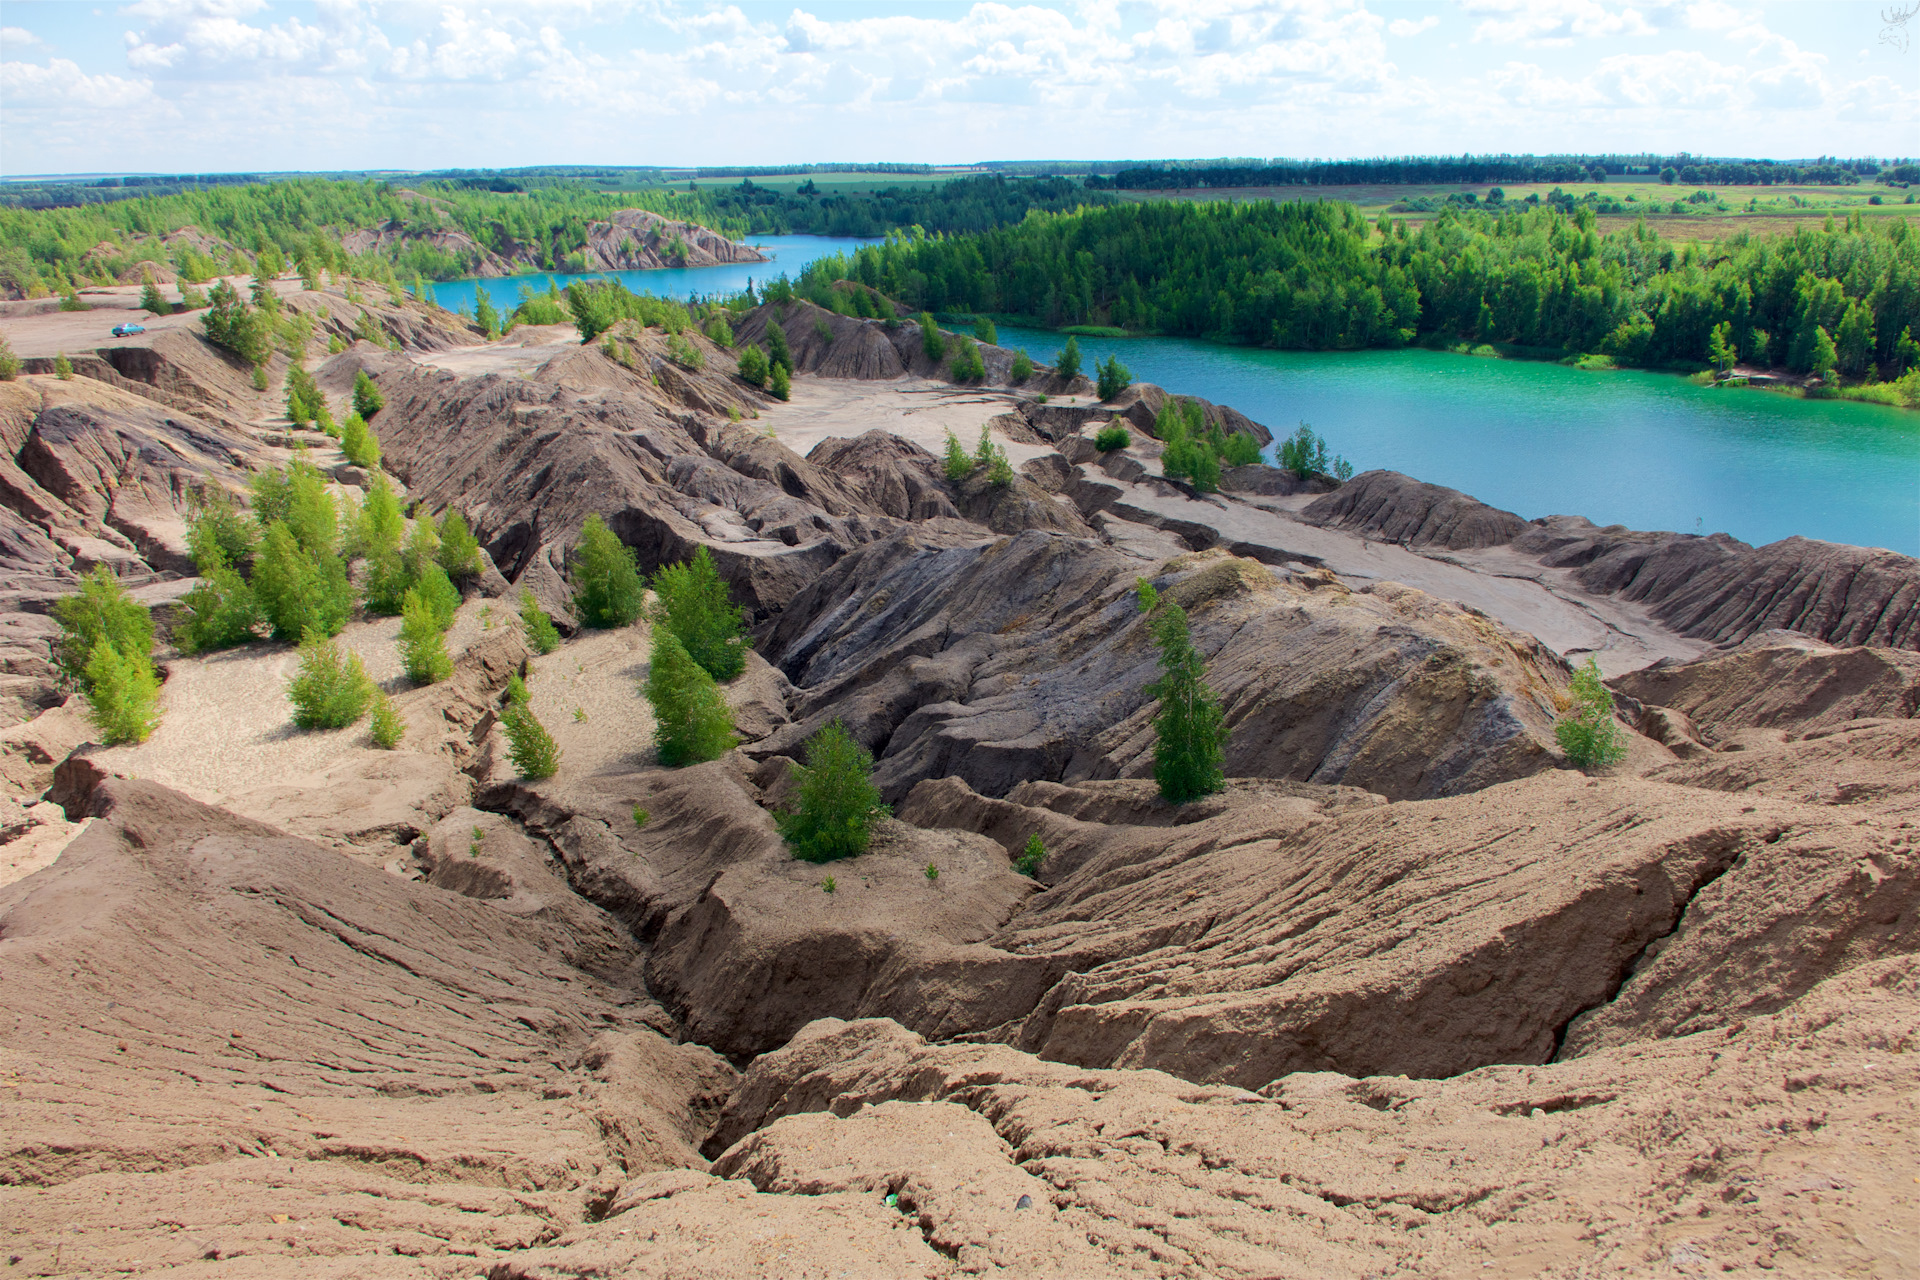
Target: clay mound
928,645
1801,685
1266,934
853,348
1140,405
1720,589
891,475
223,1039
1395,508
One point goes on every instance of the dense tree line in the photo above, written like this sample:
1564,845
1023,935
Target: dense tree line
305,220
1319,276
1470,169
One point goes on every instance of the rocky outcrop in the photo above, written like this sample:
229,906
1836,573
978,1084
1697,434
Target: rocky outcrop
1782,681
930,646
1395,508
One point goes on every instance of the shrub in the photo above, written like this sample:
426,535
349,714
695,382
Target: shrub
691,720
385,723
1190,729
1242,450
607,587
217,532
999,471
823,331
459,549
959,464
683,353
100,611
422,649
9,362
1145,595
779,384
438,593
1588,733
150,299
1114,378
967,364
1111,437
753,366
1022,367
719,332
531,748
640,817
260,382
1028,863
1305,454
331,691
779,355
542,635
367,399
695,606
122,694
304,402
838,801
299,591
63,367
1067,363
219,613
70,301
983,449
1193,460
359,443
932,341
983,331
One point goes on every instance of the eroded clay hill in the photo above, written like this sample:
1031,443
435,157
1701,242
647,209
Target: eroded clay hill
1408,998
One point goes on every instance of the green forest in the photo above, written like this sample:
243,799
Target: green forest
1320,276
305,219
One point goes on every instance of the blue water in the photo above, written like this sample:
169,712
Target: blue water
789,254
1647,450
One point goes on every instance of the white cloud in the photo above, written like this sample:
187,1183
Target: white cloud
17,36
1404,27
1534,23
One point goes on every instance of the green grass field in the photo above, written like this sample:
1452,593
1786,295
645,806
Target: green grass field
838,183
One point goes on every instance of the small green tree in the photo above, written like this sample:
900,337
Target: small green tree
959,463
696,606
983,331
331,690
9,362
1030,859
719,332
1588,733
542,636
150,299
1067,363
1241,450
63,367
983,448
1189,728
1022,367
779,384
1720,346
967,363
1305,454
1000,471
122,694
1824,359
838,801
300,591
1112,436
219,613
1114,378
459,549
484,314
753,366
367,399
691,720
101,610
606,585
437,592
359,443
423,651
932,341
531,748
779,355
385,723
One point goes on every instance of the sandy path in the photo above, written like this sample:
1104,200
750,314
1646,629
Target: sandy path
598,674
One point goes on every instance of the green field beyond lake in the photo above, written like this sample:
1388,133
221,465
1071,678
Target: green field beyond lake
1647,450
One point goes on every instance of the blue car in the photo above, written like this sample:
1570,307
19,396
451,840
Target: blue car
128,330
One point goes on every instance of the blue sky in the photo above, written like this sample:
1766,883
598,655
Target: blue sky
226,85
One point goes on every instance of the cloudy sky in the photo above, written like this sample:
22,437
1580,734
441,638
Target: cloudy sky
225,85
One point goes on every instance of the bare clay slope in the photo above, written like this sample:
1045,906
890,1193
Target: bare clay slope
224,1041
1715,588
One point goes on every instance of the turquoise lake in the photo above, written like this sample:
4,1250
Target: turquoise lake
1647,450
